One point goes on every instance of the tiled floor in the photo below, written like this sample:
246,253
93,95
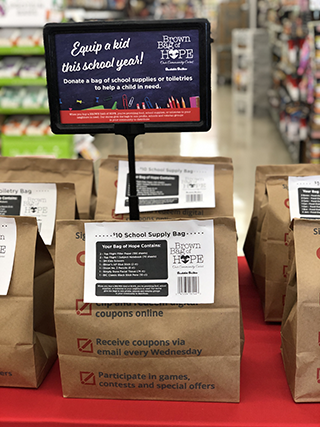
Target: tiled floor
249,142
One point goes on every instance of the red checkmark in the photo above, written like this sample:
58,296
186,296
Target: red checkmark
87,378
85,345
83,308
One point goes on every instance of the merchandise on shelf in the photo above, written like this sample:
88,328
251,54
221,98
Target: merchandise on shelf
177,9
97,4
230,15
35,97
250,70
23,97
11,97
312,75
31,135
15,125
10,66
312,151
30,37
9,36
25,37
15,97
84,146
292,79
33,67
39,125
26,125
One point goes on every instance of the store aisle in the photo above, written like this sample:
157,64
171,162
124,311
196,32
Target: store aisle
249,142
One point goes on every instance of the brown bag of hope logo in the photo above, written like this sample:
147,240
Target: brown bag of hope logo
223,177
300,329
266,245
27,333
143,351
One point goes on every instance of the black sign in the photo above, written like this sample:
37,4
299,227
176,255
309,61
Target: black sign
154,74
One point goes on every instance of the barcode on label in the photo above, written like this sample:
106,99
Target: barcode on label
198,197
188,285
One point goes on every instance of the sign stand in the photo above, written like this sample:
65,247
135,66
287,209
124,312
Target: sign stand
130,132
133,197
155,77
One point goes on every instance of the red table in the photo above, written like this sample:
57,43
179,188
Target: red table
265,395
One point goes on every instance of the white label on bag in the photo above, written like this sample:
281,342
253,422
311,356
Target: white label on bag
149,262
8,240
31,199
304,197
165,185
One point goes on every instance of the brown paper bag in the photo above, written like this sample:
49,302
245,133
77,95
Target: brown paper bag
76,171
27,333
65,209
262,172
270,263
266,241
107,189
300,336
144,351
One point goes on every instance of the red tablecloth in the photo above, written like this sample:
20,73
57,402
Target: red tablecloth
265,395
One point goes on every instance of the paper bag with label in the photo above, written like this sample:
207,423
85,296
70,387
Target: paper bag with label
27,332
262,172
45,201
266,242
300,337
223,189
76,171
148,351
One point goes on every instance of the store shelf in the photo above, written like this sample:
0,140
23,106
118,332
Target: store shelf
18,81
10,111
287,36
21,50
294,148
23,97
59,146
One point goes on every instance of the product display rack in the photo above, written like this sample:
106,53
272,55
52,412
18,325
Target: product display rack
311,147
287,98
230,15
60,146
250,70
292,97
22,51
